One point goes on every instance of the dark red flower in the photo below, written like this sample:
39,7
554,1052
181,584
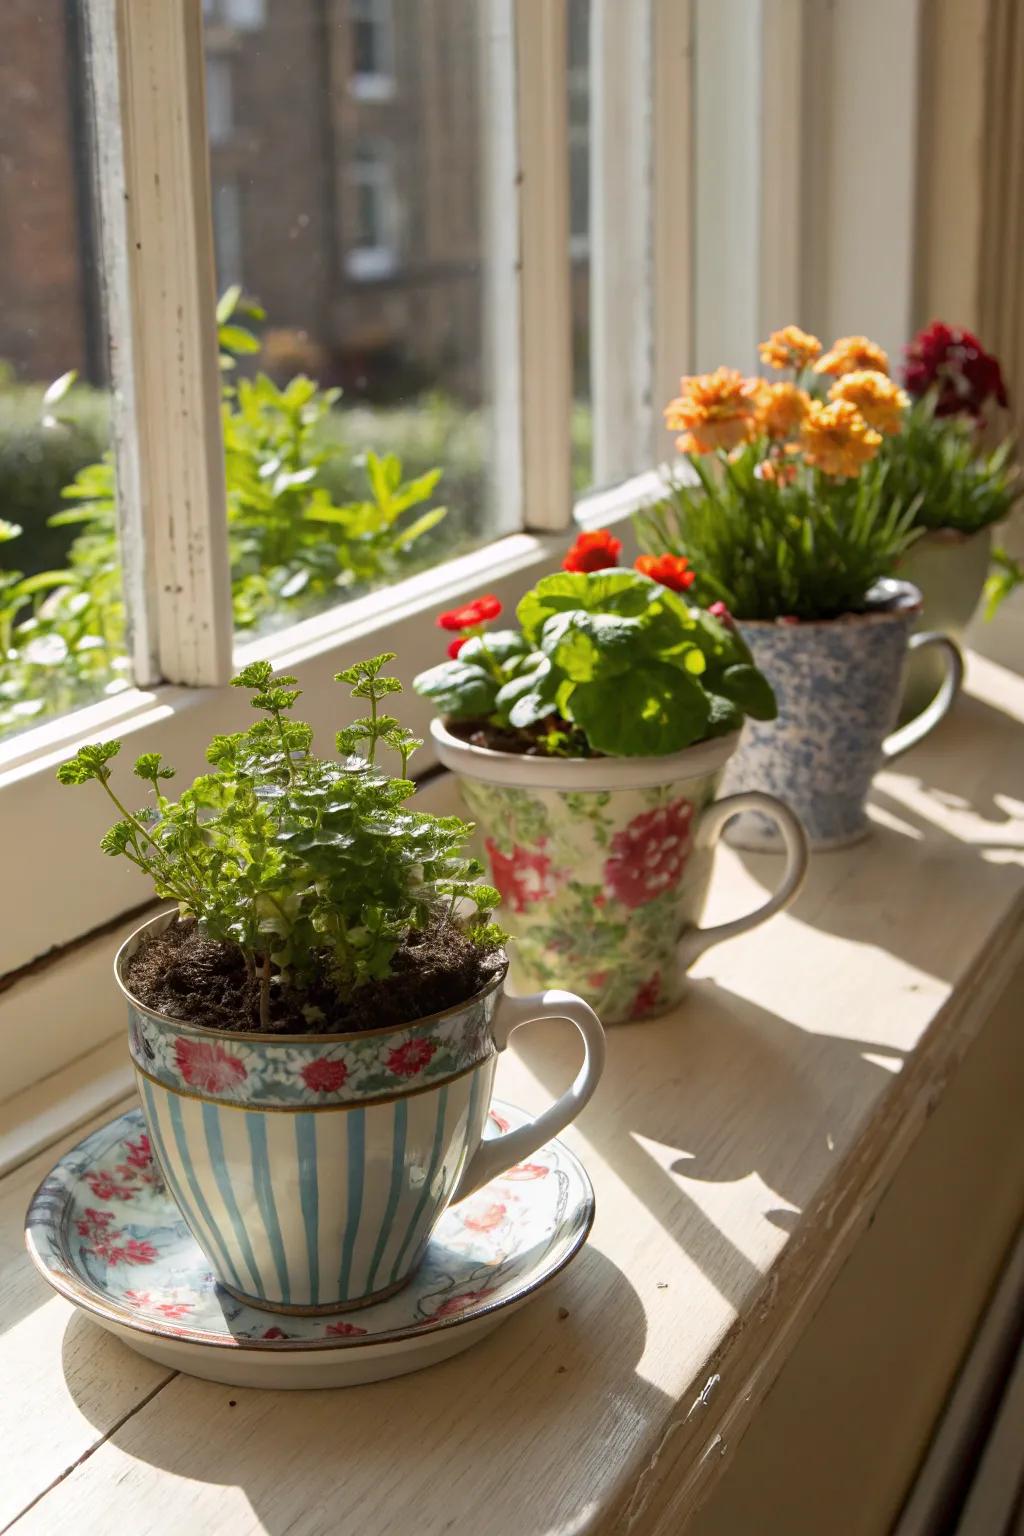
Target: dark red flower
647,997
479,611
720,612
275,1333
455,646
342,1330
595,550
953,363
410,1058
649,855
323,1076
672,571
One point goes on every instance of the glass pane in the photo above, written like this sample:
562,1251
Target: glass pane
348,147
61,615
578,46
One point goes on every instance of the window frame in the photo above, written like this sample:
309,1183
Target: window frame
154,179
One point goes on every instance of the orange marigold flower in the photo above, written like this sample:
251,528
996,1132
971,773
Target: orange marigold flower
789,348
715,410
780,409
777,473
837,439
850,354
879,400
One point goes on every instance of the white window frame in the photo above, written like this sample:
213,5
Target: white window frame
155,195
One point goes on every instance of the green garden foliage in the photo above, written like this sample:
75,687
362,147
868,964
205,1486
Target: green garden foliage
308,520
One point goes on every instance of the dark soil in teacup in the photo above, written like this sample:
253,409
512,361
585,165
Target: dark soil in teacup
196,979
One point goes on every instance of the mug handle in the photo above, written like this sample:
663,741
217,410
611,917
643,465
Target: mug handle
917,729
696,940
502,1152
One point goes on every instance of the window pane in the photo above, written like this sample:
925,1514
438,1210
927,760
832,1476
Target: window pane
579,239
348,204
61,615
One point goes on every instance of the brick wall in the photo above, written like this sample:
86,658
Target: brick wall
42,288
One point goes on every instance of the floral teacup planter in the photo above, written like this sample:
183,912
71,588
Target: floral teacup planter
603,864
837,682
312,1169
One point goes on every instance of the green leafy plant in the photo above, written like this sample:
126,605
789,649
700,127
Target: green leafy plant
803,545
310,866
294,546
1006,574
937,463
607,662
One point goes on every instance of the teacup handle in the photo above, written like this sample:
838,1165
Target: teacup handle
502,1152
696,940
917,729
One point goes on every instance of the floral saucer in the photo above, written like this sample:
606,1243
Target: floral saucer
105,1234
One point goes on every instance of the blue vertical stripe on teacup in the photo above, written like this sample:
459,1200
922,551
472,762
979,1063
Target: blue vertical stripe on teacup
225,1183
232,1271
421,1203
256,1128
401,1116
309,1199
353,1210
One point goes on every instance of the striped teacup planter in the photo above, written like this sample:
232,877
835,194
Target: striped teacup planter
311,1169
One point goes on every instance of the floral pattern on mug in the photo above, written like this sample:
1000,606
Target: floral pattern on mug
597,885
299,1071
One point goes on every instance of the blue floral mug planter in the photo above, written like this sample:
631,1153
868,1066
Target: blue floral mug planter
838,685
604,863
312,1169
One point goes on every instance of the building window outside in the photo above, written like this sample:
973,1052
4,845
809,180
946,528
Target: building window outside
373,70
374,250
220,111
227,232
242,15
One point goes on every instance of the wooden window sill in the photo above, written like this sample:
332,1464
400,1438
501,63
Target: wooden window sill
738,1148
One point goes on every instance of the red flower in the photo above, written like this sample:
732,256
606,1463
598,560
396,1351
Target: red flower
521,877
954,363
140,1154
499,1120
720,612
455,646
342,1330
593,551
646,997
455,1304
488,1219
323,1076
410,1058
671,571
105,1187
275,1333
479,611
649,855
208,1065
93,1223
526,1171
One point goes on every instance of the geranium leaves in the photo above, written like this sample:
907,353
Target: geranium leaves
612,653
